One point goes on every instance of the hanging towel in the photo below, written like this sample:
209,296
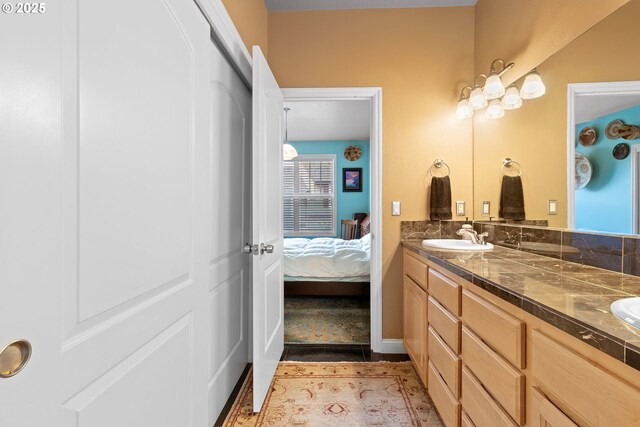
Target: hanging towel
511,198
440,203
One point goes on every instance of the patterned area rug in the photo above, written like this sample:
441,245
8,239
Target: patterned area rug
326,320
338,394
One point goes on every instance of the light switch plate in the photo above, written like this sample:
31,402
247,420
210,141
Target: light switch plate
486,208
460,208
552,207
395,208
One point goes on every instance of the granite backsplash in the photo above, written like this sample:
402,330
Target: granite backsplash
617,253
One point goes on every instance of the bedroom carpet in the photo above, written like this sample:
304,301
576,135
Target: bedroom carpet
338,394
326,320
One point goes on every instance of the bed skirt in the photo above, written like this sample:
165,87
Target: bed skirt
326,288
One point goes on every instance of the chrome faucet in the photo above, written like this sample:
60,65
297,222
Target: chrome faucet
467,232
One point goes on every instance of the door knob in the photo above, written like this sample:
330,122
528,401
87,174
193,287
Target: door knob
249,248
266,248
13,357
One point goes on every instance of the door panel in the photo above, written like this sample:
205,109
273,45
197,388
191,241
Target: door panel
268,293
229,266
116,275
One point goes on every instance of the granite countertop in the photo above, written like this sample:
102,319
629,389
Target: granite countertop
572,297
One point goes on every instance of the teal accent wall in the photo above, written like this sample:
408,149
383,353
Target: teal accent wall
605,203
346,203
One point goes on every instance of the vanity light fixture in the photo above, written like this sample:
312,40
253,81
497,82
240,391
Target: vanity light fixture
288,151
464,110
532,87
495,110
511,99
493,95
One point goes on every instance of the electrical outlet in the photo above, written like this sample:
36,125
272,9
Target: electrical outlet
460,208
552,207
486,208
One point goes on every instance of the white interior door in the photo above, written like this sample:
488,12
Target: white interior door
230,227
105,213
268,291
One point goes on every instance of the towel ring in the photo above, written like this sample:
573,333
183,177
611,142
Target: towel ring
508,163
439,163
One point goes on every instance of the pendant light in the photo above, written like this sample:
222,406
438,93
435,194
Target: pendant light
288,151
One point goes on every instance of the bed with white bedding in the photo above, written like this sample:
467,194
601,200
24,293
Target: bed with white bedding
327,266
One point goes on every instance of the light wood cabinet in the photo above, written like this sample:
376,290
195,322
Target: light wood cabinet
502,331
415,269
585,391
545,414
487,363
498,377
415,325
446,403
445,290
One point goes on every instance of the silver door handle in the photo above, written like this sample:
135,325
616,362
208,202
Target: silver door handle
249,248
266,248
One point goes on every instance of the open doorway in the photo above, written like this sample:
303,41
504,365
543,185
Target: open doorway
331,218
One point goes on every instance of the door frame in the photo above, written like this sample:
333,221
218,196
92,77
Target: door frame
583,90
374,95
635,179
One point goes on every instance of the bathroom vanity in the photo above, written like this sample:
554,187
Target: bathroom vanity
510,338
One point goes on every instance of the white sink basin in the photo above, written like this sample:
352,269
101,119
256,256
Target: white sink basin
627,309
455,245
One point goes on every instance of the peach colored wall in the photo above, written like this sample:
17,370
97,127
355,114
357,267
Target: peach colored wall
536,134
528,32
251,19
419,57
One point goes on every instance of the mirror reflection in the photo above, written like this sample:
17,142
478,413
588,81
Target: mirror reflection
544,138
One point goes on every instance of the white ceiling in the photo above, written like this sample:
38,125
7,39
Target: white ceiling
361,4
328,120
594,106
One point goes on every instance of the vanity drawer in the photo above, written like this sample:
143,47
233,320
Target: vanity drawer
585,391
446,324
544,413
465,421
481,408
448,406
500,330
445,290
415,269
503,381
445,361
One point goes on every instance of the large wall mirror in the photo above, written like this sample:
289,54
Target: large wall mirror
543,138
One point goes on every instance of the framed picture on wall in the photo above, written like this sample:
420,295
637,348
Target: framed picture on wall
351,179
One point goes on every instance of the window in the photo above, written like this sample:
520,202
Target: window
309,195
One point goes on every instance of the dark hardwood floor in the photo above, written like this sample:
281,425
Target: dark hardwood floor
317,353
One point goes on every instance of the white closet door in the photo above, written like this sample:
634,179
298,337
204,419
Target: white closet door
230,225
105,213
268,291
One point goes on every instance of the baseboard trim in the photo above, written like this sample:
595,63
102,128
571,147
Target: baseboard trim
392,346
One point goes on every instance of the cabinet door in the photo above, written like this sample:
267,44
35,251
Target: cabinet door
545,414
415,325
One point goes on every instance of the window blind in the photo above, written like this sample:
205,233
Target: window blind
309,196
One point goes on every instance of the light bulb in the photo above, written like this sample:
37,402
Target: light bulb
463,111
289,152
511,99
493,87
495,110
477,99
532,86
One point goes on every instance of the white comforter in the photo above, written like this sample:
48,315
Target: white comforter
327,257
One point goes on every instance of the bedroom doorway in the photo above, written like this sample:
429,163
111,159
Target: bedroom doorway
331,218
